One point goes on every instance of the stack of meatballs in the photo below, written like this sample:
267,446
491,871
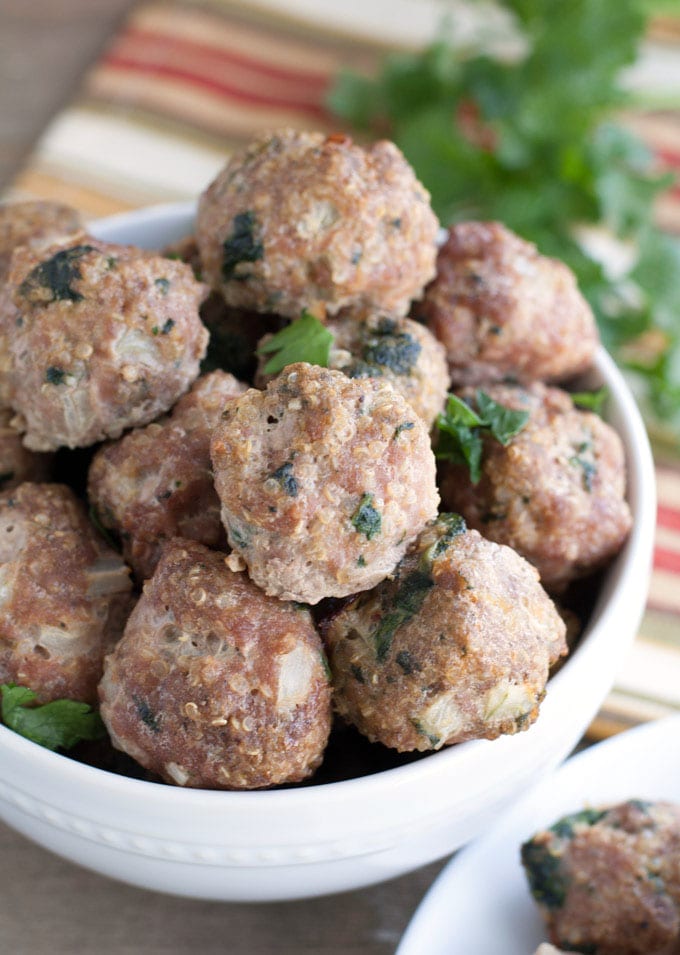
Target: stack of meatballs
248,560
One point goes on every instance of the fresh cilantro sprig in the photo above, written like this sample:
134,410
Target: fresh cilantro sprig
56,725
461,430
531,141
305,339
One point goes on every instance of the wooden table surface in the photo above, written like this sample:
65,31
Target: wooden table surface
49,906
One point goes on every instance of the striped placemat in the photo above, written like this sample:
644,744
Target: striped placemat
183,83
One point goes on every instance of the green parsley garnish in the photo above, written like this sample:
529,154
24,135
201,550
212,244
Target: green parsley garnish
532,140
461,430
56,725
305,339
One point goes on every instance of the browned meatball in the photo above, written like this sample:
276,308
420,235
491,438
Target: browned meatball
324,481
555,493
215,685
32,223
455,645
501,309
608,881
156,482
24,223
65,594
17,463
298,220
107,337
400,351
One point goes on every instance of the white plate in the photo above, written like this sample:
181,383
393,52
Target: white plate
480,904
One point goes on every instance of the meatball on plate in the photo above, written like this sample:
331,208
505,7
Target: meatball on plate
600,838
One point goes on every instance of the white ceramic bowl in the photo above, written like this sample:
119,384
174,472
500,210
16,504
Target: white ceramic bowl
296,843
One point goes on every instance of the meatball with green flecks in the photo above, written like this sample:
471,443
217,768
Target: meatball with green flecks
400,351
25,223
608,880
324,481
106,337
503,310
554,492
65,594
215,685
299,220
455,645
156,482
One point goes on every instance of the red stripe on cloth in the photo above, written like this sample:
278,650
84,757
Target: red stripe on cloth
206,54
668,517
215,86
665,559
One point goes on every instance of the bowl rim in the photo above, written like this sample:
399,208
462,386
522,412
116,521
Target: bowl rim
636,557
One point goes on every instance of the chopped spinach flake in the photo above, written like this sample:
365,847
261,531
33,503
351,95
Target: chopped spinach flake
284,476
453,525
387,348
238,538
405,603
407,662
366,519
404,426
163,285
54,375
59,724
361,561
56,275
146,714
326,665
589,469
547,882
306,339
564,827
461,429
419,728
111,262
242,245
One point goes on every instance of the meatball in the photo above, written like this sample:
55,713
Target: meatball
608,880
555,493
17,463
302,221
65,594
455,645
32,223
501,309
324,481
107,337
156,482
215,685
24,223
401,351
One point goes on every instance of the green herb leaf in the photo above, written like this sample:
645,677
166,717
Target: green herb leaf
483,137
590,400
461,430
56,725
55,276
305,339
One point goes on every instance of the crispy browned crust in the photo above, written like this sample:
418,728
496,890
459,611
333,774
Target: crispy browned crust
330,225
456,645
294,466
214,684
555,494
156,482
501,309
65,594
114,346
